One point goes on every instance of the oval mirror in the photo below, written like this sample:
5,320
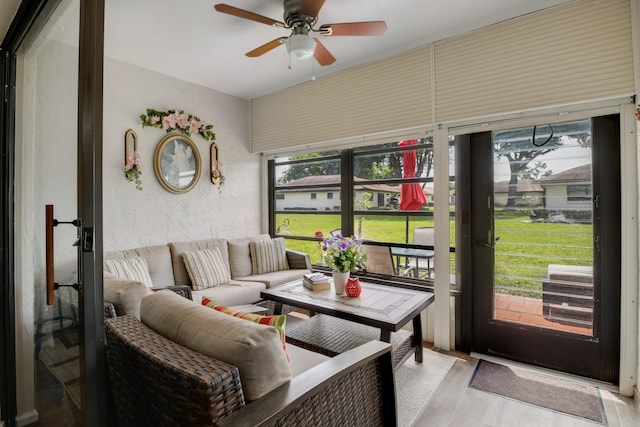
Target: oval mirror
177,163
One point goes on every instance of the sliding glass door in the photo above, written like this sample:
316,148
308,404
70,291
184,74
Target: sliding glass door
53,136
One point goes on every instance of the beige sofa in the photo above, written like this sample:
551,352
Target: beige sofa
166,268
184,364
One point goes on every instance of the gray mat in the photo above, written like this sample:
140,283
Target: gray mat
540,390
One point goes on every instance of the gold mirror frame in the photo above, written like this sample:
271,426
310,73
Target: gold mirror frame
177,163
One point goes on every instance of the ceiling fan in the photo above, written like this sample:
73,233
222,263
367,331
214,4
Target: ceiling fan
300,16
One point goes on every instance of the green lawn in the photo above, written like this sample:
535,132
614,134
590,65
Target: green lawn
522,254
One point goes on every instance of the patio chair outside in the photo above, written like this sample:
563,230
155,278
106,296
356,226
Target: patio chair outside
413,267
379,259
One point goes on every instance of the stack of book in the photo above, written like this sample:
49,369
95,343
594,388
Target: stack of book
316,281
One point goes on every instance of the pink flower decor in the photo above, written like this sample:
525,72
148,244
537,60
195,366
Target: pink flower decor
216,174
169,122
177,120
183,120
133,169
194,125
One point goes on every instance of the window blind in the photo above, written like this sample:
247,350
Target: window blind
389,94
576,52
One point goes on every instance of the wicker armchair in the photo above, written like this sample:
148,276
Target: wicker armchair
157,382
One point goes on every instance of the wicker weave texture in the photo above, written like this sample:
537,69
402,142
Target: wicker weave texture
331,336
346,402
271,307
156,382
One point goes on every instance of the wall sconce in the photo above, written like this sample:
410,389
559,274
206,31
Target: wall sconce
130,145
132,164
215,165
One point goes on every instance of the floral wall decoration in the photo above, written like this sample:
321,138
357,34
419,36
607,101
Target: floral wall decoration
132,164
217,177
174,120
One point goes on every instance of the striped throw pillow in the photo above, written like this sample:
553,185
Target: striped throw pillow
268,256
132,268
206,268
278,321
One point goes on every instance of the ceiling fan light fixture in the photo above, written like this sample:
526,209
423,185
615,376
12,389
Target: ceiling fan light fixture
301,46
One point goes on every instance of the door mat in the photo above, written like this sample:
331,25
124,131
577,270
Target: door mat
540,390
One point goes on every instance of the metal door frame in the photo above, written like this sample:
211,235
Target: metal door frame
30,16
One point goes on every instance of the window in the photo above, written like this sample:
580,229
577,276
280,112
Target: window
391,196
579,193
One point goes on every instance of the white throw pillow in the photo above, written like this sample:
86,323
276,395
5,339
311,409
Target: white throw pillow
132,268
268,256
206,268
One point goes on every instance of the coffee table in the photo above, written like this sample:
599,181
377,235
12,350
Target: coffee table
385,308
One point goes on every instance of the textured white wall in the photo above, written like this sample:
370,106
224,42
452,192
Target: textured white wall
134,218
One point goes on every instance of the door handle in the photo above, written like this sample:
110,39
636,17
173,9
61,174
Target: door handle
485,244
51,284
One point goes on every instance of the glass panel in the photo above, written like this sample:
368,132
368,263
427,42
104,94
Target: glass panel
304,170
388,164
46,141
307,225
394,164
543,226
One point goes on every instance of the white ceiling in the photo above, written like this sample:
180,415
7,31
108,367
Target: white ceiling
190,41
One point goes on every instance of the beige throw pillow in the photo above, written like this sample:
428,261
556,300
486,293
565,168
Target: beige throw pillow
124,294
132,268
239,257
268,256
206,268
255,349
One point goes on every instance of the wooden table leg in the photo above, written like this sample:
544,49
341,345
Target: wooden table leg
385,335
417,337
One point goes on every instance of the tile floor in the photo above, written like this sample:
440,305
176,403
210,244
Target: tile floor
454,404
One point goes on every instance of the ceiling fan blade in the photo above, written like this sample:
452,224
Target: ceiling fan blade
371,28
311,7
241,13
322,55
266,47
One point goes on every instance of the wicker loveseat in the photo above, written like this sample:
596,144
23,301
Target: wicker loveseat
157,381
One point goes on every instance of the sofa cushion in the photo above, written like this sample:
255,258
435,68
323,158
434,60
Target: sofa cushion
255,349
301,360
179,248
572,274
206,268
278,321
268,256
276,278
132,268
233,293
239,257
158,259
124,294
